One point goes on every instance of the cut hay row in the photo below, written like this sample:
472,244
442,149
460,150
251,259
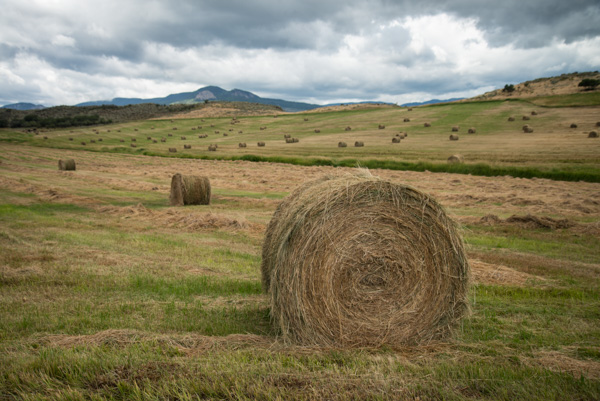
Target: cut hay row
355,261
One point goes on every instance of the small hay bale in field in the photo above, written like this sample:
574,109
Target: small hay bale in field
511,119
70,139
121,140
154,141
183,138
407,120
295,140
92,141
359,144
598,124
199,127
242,144
427,125
342,144
306,119
348,128
261,144
169,134
455,128
83,143
212,148
380,126
187,146
289,140
456,159
174,128
149,138
453,137
133,145
410,109
193,128
225,134
396,139
317,131
99,139
355,261
45,137
534,113
173,150
189,190
526,128
133,139
217,132
525,118
68,164
135,129
286,136
573,125
163,139
240,132
472,130
593,134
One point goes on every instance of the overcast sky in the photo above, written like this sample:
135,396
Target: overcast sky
69,51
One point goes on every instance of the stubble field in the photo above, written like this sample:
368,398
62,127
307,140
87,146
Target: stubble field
107,292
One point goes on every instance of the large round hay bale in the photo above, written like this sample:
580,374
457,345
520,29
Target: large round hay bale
187,146
407,120
396,139
453,137
456,159
527,129
68,164
173,150
455,128
355,261
342,144
261,144
593,134
472,130
359,144
573,125
242,144
189,190
525,118
598,124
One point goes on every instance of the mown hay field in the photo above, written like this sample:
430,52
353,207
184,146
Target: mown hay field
108,292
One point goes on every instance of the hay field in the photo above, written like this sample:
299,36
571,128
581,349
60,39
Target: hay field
107,292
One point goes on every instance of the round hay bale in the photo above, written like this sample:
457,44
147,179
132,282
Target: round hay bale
410,109
154,141
317,131
511,119
453,137
396,139
183,138
133,145
83,143
121,140
407,120
285,136
573,125
427,125
261,144
455,128
359,144
70,139
534,113
149,138
99,139
68,164
187,146
456,159
212,148
295,140
189,190
45,137
92,141
173,150
381,126
306,119
342,144
348,128
133,139
174,128
593,134
163,139
527,129
598,124
525,118
472,130
242,144
355,261
170,134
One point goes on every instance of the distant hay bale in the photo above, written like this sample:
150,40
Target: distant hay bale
410,109
183,138
154,141
212,148
455,128
121,140
598,124
355,261
306,119
99,139
348,128
187,146
454,137
135,129
240,132
407,120
169,134
573,125
133,139
173,150
534,113
68,164
261,144
317,131
149,138
396,139
189,190
45,137
342,144
526,128
225,134
217,132
511,119
83,143
286,136
456,159
133,145
525,118
163,139
70,139
359,144
593,134
472,130
174,128
380,126
242,144
427,125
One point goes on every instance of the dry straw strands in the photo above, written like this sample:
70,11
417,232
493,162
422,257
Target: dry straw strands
189,190
355,261
453,137
68,164
456,159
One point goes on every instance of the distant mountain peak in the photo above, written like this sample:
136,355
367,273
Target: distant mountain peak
23,106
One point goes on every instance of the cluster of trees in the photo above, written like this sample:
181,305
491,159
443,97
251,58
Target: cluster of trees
35,121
